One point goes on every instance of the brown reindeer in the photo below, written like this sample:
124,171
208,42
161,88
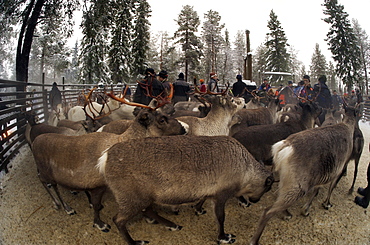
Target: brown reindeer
69,161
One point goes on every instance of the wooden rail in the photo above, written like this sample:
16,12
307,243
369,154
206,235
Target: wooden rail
13,104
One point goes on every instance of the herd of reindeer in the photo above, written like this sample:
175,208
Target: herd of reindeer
214,146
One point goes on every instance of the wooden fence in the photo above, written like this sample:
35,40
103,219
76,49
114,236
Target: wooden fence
13,104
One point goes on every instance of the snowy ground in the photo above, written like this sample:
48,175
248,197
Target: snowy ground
27,216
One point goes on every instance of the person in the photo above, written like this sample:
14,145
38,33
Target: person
307,90
202,87
239,87
322,93
352,99
297,90
286,95
148,85
265,86
213,82
322,96
55,97
336,100
163,78
365,192
181,89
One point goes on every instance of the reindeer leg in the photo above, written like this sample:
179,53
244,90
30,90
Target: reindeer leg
96,197
150,213
120,219
220,215
285,199
307,206
55,199
357,161
326,204
199,210
66,207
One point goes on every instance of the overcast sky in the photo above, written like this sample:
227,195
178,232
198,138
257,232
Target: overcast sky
302,20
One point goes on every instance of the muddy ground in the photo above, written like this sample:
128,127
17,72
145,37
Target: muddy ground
27,216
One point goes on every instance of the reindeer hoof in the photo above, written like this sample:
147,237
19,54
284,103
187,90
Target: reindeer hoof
151,221
103,228
201,212
228,239
327,205
244,204
176,228
71,212
141,242
74,192
305,213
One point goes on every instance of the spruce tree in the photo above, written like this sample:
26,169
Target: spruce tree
343,44
364,45
141,37
277,57
239,52
188,22
318,65
120,42
94,46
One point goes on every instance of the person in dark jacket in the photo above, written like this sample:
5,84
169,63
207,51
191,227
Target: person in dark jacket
181,89
149,82
239,87
322,96
163,78
55,97
336,100
322,93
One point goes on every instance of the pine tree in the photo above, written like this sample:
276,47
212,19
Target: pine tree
318,65
120,44
227,73
331,78
294,65
94,46
277,57
364,45
239,52
188,22
343,44
141,37
212,39
259,62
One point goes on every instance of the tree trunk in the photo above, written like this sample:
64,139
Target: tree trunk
25,40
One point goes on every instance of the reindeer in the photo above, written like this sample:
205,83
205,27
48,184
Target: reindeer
69,161
144,172
219,119
307,160
259,116
259,139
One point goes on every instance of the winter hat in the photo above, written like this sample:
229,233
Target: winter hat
149,70
163,74
239,77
